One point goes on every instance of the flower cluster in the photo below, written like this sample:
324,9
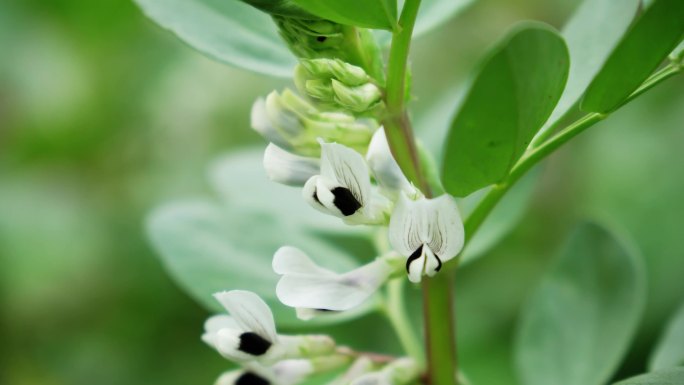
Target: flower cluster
248,337
326,139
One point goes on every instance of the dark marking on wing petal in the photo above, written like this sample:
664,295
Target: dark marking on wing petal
416,254
249,378
439,263
345,201
254,344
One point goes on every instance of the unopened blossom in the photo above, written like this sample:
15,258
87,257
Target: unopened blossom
249,333
343,188
287,168
399,372
338,84
286,372
305,285
295,125
428,232
385,168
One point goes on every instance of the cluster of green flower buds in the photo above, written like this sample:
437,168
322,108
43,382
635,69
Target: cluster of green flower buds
338,85
293,124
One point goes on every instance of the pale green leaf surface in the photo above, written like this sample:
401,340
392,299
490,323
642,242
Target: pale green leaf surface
578,323
509,100
378,14
670,349
226,30
648,42
663,377
591,34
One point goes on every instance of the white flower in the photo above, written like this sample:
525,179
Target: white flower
287,168
385,168
305,285
428,231
344,188
249,333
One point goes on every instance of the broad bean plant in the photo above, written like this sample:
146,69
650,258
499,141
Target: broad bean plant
284,249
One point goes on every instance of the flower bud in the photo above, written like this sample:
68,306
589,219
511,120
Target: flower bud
307,346
335,68
399,372
358,99
295,125
287,168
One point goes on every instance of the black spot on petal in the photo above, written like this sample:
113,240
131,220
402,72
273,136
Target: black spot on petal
249,378
254,344
439,263
416,254
345,201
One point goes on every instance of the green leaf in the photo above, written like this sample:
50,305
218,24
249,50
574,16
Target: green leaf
591,34
209,246
502,219
670,349
648,42
226,30
512,96
663,377
378,14
578,323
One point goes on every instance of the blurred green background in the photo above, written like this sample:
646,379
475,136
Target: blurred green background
103,115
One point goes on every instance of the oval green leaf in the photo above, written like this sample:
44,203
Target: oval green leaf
663,377
670,349
648,42
578,323
592,33
378,14
509,100
226,30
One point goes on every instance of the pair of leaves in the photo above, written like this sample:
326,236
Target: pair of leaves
509,100
242,36
648,42
210,246
578,323
486,139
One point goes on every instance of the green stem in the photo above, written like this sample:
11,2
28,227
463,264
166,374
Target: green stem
536,154
396,123
666,72
398,317
440,329
440,336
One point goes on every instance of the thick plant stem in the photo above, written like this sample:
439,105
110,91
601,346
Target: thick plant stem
438,291
440,331
396,123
